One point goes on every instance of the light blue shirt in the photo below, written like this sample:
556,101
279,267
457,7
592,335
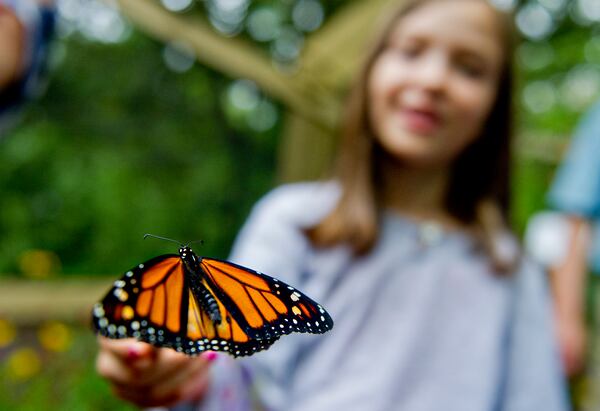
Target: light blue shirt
576,188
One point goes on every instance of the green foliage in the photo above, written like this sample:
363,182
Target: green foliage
66,381
557,80
554,62
119,147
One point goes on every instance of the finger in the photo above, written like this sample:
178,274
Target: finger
195,391
186,380
113,364
128,348
113,369
137,355
189,383
167,365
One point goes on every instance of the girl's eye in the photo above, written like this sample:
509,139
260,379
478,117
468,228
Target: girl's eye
471,69
409,50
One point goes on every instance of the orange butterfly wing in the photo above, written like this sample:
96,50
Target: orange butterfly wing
153,302
263,306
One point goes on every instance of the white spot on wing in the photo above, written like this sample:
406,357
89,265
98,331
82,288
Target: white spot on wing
98,310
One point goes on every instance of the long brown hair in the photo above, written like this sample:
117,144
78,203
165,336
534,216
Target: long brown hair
479,176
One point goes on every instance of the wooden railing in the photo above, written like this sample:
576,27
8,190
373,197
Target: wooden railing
30,302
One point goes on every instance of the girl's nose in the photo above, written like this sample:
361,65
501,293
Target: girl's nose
432,74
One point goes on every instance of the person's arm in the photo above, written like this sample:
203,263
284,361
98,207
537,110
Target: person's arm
575,191
568,279
12,44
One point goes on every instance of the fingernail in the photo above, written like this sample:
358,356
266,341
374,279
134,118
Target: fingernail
133,353
209,356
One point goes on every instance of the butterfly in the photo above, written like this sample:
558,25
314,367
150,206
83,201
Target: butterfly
194,304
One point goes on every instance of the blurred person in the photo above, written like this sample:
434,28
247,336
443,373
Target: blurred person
406,246
26,28
575,193
12,45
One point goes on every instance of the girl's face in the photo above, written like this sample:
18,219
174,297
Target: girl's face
431,89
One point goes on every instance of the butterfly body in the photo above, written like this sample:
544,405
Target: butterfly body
193,304
204,297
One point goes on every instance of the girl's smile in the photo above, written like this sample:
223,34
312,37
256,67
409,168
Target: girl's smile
421,119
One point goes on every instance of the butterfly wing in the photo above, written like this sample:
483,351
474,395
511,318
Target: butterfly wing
153,303
263,306
226,336
146,303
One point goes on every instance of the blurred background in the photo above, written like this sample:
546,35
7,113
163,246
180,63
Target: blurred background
174,116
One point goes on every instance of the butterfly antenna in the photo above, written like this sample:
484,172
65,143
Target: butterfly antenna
163,238
196,241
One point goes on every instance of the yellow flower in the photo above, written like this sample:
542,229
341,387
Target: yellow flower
55,336
7,333
23,364
39,263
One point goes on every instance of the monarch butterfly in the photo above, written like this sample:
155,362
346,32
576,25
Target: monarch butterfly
193,304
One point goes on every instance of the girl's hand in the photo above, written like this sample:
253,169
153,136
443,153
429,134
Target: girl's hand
568,282
572,336
152,377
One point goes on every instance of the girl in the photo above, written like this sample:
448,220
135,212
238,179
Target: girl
405,247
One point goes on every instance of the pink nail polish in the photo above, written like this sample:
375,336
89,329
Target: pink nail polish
210,356
133,353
